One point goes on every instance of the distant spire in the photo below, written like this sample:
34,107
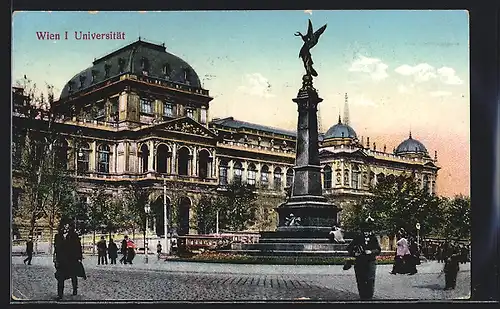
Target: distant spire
346,110
410,133
340,120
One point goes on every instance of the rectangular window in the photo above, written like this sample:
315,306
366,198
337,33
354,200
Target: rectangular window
251,177
103,162
167,109
264,178
146,106
82,162
203,116
277,182
354,180
190,113
237,175
223,175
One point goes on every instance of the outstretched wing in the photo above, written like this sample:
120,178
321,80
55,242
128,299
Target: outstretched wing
319,32
309,30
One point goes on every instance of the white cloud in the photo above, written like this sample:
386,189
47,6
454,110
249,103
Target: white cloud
373,66
310,12
406,89
362,101
448,76
424,72
440,93
257,85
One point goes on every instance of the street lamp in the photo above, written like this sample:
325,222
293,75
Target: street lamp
146,210
418,234
165,217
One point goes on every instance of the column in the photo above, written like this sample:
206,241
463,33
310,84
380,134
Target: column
230,172
194,170
151,149
342,172
174,159
93,158
244,176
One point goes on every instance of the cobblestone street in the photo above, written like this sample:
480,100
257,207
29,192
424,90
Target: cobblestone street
185,281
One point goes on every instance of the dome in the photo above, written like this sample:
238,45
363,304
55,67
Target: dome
411,146
340,130
135,58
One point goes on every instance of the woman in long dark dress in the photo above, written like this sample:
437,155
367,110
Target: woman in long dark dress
67,259
112,251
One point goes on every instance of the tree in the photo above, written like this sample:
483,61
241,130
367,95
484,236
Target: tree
395,202
237,206
96,212
39,157
136,198
456,213
205,215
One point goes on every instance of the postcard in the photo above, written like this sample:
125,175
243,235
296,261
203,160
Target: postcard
240,156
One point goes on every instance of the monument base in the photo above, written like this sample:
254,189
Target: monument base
315,213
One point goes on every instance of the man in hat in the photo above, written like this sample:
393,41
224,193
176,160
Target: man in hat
365,248
29,250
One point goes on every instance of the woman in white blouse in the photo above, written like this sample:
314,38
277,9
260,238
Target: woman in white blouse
402,253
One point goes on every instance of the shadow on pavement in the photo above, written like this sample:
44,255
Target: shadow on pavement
434,287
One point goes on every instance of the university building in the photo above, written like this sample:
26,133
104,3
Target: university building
140,114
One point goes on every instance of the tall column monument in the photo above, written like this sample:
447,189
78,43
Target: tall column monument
307,211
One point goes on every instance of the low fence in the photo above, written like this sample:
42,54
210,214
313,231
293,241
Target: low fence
214,241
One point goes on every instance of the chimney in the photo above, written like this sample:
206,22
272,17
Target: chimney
374,146
368,142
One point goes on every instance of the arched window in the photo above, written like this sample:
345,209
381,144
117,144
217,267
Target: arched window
346,177
238,171
103,159
162,156
252,172
355,177
144,157
289,177
277,179
327,180
223,172
183,161
204,159
264,176
82,158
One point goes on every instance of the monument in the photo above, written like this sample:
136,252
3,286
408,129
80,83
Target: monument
307,212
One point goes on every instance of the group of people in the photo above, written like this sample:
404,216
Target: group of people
365,247
103,251
407,254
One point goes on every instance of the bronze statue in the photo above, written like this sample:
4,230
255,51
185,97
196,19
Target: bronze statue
310,40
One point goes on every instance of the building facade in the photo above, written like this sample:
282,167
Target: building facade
140,114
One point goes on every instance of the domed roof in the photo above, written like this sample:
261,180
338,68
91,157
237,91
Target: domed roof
133,58
340,130
411,146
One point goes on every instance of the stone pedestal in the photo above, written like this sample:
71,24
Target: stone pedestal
306,200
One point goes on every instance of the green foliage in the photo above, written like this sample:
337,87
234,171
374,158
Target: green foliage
205,215
456,217
136,198
395,202
237,207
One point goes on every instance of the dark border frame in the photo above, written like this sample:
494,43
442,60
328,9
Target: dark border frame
485,111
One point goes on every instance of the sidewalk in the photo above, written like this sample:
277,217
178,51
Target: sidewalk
154,264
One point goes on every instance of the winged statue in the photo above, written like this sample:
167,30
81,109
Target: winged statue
310,40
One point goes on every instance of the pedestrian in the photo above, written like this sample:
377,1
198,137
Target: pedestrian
365,248
402,251
102,249
124,250
67,259
414,259
158,250
112,251
29,250
130,251
451,266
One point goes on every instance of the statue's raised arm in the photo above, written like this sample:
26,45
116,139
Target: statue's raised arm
310,40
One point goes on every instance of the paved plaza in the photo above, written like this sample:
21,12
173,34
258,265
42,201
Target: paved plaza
189,281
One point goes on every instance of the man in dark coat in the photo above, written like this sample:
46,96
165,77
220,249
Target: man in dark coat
124,250
451,266
67,259
365,247
112,251
102,249
29,250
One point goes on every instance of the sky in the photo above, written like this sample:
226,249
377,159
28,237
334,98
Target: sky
402,70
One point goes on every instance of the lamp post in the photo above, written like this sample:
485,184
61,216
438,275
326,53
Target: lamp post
165,217
418,235
146,210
